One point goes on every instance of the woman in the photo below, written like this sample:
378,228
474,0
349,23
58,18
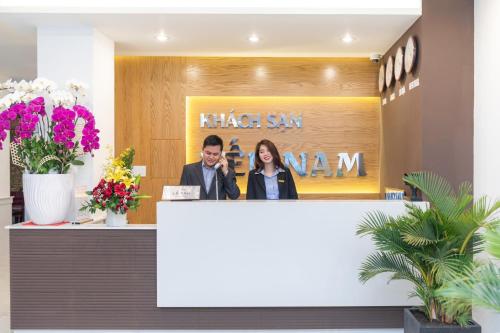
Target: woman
270,179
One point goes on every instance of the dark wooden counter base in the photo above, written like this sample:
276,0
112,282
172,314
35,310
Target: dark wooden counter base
106,279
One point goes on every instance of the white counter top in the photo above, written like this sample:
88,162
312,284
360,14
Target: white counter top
223,204
97,225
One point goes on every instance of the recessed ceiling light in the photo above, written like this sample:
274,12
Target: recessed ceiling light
254,38
347,38
161,37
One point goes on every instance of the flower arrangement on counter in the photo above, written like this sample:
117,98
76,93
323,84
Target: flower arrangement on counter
118,190
51,129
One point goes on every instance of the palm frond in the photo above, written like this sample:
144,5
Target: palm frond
484,209
421,231
492,237
385,232
380,262
372,222
447,265
480,286
440,193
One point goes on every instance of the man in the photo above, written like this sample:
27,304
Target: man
212,172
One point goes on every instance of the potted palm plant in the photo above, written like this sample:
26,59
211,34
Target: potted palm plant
426,247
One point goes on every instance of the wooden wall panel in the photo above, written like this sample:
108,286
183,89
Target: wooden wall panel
281,77
167,84
147,209
151,95
167,158
131,117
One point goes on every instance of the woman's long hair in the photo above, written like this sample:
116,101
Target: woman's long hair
259,164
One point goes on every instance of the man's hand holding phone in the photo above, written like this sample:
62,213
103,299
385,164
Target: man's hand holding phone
224,164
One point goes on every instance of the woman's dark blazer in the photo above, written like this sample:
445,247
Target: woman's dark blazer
256,186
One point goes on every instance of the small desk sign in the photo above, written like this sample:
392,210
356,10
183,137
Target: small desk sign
415,83
402,91
394,194
181,193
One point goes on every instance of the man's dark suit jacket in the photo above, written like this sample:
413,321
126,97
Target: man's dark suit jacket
192,174
256,187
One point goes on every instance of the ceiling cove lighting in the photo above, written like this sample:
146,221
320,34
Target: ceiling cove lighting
254,38
161,37
348,39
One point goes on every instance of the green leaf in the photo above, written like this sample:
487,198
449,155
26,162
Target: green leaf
493,241
399,265
77,162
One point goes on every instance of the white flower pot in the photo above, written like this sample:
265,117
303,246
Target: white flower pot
48,197
116,220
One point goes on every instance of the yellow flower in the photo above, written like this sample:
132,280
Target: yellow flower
117,170
127,182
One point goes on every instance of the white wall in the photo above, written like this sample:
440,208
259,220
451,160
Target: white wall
103,85
83,54
5,219
486,117
5,170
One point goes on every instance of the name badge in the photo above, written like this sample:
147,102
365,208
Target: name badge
181,193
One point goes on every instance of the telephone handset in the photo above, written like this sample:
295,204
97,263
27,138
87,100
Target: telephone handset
218,164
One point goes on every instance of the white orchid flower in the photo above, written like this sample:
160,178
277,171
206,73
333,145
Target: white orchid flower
41,84
4,103
22,86
12,98
16,97
9,84
62,98
77,88
26,98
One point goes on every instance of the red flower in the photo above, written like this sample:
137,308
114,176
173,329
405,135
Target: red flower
107,193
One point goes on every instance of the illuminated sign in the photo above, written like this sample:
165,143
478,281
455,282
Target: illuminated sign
320,164
248,120
331,144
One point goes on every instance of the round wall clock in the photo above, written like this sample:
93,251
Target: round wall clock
389,71
399,64
381,78
410,54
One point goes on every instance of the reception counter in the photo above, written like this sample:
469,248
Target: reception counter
210,265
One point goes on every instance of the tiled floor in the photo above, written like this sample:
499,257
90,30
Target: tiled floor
4,324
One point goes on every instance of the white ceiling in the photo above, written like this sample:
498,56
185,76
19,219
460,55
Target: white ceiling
219,31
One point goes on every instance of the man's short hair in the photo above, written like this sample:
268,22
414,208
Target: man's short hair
213,140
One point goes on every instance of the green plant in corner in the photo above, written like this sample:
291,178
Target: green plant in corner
479,283
427,246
